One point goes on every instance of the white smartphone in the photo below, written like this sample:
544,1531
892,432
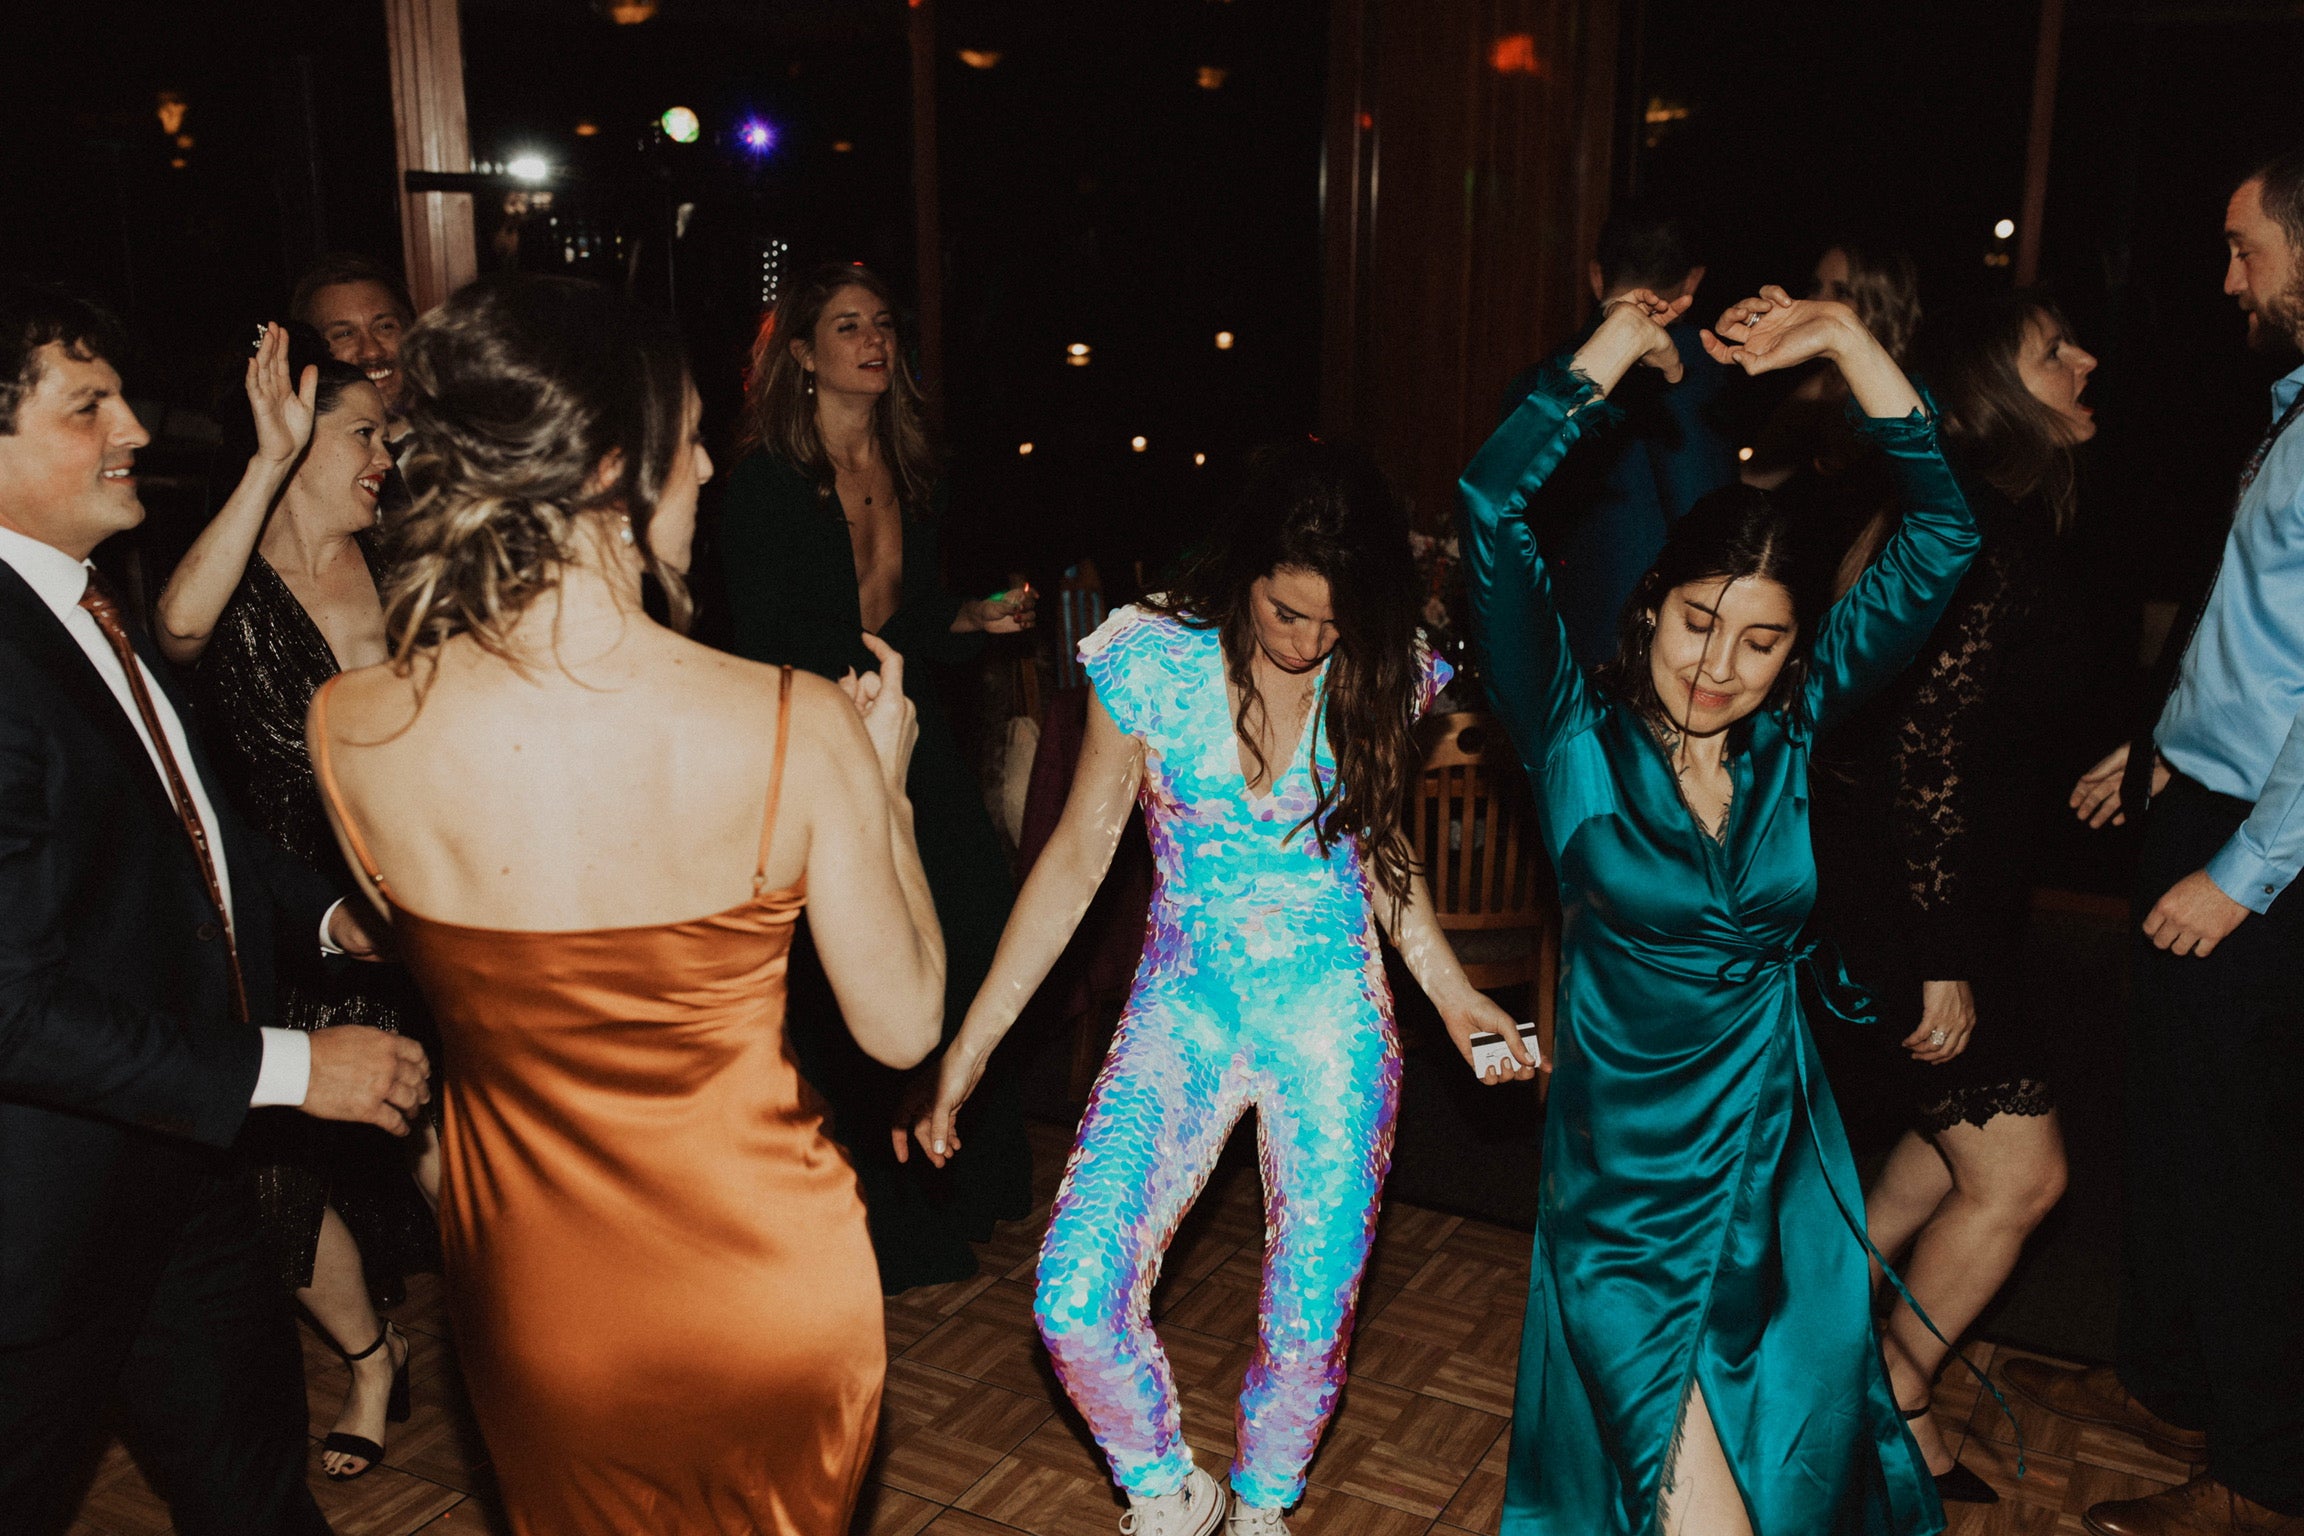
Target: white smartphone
1489,1051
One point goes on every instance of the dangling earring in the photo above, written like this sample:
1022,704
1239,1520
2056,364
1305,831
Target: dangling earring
624,529
808,380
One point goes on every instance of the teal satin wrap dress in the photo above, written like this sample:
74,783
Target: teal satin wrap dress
1700,1215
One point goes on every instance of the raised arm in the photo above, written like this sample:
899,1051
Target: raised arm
1049,908
873,920
1869,635
205,579
1532,678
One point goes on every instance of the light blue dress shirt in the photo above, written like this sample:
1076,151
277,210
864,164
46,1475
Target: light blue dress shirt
2235,723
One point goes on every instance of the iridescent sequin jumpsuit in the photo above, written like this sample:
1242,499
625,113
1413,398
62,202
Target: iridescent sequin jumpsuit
1261,986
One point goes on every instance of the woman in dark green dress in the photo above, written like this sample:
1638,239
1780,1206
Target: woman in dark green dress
1699,1354
827,531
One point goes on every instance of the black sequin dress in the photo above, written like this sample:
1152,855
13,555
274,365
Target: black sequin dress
1924,806
252,686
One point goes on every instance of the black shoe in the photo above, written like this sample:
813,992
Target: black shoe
1959,1485
396,1411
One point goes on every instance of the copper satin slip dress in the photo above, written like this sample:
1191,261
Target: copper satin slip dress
664,1299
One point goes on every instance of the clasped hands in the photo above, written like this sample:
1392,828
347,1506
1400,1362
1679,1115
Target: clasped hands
1762,334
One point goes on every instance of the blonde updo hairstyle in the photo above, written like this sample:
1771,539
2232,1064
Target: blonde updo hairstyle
519,387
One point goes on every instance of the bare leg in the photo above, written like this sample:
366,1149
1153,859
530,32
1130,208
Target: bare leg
2006,1174
427,1168
337,1298
1911,1186
1700,1495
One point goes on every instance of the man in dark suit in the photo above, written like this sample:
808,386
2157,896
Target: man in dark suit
136,924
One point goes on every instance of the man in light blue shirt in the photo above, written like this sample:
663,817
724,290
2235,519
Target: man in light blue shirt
2211,1345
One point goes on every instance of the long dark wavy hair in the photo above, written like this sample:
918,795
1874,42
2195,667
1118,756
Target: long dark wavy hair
1736,533
1326,509
1992,423
780,394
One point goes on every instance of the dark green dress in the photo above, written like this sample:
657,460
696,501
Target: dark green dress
1699,1214
792,598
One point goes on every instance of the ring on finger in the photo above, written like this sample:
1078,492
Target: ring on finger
1937,1037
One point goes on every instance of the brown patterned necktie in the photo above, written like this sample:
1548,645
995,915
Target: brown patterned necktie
100,603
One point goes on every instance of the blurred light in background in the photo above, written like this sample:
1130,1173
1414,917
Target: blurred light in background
1077,354
1211,77
529,166
2004,229
1024,449
680,125
1223,341
979,58
1138,443
1515,54
757,135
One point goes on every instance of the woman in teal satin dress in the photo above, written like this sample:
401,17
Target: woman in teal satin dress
1699,1354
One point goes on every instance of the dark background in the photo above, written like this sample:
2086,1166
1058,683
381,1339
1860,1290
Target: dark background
1094,191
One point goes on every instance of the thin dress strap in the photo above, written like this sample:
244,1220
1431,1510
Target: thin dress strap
328,787
775,781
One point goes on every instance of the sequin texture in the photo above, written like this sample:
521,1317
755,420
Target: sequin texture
1261,985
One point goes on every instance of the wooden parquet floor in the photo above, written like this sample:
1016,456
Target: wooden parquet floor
976,1439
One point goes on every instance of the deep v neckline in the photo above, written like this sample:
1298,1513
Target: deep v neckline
309,624
1296,748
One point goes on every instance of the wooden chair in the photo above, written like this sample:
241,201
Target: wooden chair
1473,829
1079,609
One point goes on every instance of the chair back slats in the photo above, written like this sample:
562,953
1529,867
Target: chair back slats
1079,609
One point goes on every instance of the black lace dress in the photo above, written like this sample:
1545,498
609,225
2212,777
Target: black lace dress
1924,806
252,686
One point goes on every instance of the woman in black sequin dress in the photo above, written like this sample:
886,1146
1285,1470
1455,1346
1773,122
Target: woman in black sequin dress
1923,807
278,594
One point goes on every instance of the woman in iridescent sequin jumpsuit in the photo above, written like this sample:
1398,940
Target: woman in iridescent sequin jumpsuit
1263,711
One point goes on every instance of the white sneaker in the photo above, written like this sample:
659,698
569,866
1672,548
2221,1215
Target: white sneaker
1248,1519
1192,1510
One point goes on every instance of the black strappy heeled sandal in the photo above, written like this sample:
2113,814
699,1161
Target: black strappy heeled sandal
1959,1485
396,1411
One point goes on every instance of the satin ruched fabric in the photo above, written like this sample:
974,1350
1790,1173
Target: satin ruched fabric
1700,1212
664,1299
1261,985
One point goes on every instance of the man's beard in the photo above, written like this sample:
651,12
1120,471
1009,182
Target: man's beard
2279,323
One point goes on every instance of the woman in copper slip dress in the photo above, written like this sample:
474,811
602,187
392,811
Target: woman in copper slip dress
662,1291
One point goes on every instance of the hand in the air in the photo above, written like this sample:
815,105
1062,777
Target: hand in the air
1773,330
1641,311
284,410
890,719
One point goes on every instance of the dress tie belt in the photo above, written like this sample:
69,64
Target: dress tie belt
1835,989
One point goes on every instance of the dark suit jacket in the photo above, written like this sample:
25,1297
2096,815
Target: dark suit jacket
122,1069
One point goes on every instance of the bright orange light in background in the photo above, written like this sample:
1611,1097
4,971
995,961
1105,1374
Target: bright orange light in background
1223,341
1024,449
1211,78
979,58
841,146
586,130
1515,54
627,13
171,110
1138,443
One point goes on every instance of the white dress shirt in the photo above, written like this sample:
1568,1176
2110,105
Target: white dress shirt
59,580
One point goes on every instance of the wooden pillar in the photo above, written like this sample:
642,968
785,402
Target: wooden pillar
1463,183
426,42
927,222
2045,61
